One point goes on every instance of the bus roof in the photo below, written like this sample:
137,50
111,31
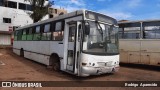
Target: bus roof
138,21
67,15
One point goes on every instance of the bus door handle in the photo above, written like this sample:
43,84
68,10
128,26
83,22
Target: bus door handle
60,42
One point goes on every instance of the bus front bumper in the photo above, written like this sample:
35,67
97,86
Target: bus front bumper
86,71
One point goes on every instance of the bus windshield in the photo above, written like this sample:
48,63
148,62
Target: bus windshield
102,39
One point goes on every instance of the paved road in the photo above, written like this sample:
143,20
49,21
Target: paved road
13,67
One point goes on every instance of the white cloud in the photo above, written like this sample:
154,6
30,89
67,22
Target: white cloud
134,3
78,2
124,5
71,5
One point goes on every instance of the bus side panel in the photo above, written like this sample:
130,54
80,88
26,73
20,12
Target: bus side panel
16,51
155,59
38,51
37,57
124,56
140,51
16,48
130,51
57,47
151,50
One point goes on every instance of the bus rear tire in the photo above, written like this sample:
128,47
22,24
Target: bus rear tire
22,52
55,62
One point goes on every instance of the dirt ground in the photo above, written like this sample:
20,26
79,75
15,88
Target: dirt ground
15,68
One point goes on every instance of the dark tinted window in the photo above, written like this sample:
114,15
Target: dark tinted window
29,7
151,32
58,31
46,35
19,36
15,35
38,29
24,32
30,34
22,6
1,2
11,4
129,33
6,20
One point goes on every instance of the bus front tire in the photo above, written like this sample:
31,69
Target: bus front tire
56,66
55,62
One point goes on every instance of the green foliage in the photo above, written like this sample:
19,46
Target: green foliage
39,9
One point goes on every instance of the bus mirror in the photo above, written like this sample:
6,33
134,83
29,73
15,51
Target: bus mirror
87,28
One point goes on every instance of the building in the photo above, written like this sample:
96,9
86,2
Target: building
56,12
14,14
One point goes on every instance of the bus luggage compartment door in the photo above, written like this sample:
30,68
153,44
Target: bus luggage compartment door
145,58
134,57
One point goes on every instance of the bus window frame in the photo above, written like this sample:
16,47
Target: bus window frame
43,31
30,33
25,29
19,36
15,35
58,31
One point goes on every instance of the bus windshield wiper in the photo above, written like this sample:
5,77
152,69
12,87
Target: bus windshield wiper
100,30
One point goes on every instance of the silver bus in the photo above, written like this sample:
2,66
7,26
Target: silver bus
81,43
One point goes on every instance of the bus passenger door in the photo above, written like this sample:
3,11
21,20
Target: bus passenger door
71,52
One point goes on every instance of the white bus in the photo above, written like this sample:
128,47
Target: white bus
82,43
140,42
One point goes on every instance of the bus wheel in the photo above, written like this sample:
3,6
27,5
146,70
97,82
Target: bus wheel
56,66
55,62
22,53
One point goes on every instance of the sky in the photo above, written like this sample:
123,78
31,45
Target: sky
119,9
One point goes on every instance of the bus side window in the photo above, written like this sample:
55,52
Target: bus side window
58,32
30,34
24,36
19,35
46,34
37,34
15,35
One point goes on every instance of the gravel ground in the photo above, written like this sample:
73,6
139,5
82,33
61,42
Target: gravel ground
15,68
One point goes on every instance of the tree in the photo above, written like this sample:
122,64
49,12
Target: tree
39,9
